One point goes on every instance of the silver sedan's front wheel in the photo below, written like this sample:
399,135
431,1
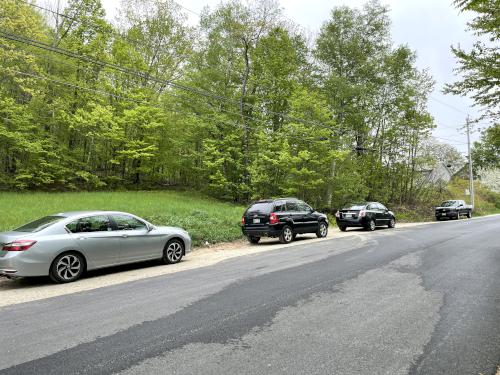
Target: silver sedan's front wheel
67,268
173,252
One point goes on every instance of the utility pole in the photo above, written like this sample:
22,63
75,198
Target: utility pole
471,177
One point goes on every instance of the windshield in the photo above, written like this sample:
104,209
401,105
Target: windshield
448,203
38,225
263,207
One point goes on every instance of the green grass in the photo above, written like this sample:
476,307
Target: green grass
206,219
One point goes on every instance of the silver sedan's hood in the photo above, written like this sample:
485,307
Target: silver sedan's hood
170,229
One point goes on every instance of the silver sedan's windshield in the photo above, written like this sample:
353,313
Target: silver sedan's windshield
38,225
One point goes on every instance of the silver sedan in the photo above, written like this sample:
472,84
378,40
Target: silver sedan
67,244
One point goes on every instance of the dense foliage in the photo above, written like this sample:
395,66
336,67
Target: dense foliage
479,68
241,106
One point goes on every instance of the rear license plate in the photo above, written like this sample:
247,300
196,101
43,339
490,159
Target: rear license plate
256,221
443,214
348,215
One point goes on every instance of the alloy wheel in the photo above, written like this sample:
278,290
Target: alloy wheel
174,252
68,267
288,234
323,229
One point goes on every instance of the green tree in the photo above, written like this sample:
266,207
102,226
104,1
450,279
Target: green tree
479,68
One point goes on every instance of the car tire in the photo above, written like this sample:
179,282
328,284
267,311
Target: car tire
371,225
438,218
322,231
343,228
253,239
286,235
469,215
392,223
173,251
67,267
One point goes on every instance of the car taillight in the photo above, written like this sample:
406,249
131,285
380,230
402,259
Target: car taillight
273,218
362,213
337,214
243,220
19,245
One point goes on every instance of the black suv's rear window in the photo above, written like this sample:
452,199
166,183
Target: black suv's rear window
38,225
261,207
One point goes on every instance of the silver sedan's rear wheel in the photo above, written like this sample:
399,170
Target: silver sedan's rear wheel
66,268
173,252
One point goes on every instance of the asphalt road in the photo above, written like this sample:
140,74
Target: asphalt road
424,300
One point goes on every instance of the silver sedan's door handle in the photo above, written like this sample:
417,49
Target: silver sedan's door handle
124,235
82,238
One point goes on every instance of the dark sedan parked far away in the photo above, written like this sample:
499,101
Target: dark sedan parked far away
366,215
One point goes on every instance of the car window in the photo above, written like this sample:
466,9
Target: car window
126,222
98,223
292,206
371,207
381,207
355,207
279,206
260,207
448,204
303,206
38,225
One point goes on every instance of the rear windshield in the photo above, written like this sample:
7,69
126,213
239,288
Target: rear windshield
448,203
38,225
355,207
263,208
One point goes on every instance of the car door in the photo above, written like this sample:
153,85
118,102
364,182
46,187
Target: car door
309,220
373,212
385,216
137,242
293,211
97,240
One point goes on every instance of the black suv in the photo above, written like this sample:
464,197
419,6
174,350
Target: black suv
283,218
367,215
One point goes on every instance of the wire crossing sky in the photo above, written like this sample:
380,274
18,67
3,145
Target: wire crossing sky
427,26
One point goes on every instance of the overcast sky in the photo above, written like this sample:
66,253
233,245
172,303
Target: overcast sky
428,26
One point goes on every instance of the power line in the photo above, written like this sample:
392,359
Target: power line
182,99
450,140
148,77
121,97
220,97
447,105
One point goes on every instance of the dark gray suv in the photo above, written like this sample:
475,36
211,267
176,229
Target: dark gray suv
283,218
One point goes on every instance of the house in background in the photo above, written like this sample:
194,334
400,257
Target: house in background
440,174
